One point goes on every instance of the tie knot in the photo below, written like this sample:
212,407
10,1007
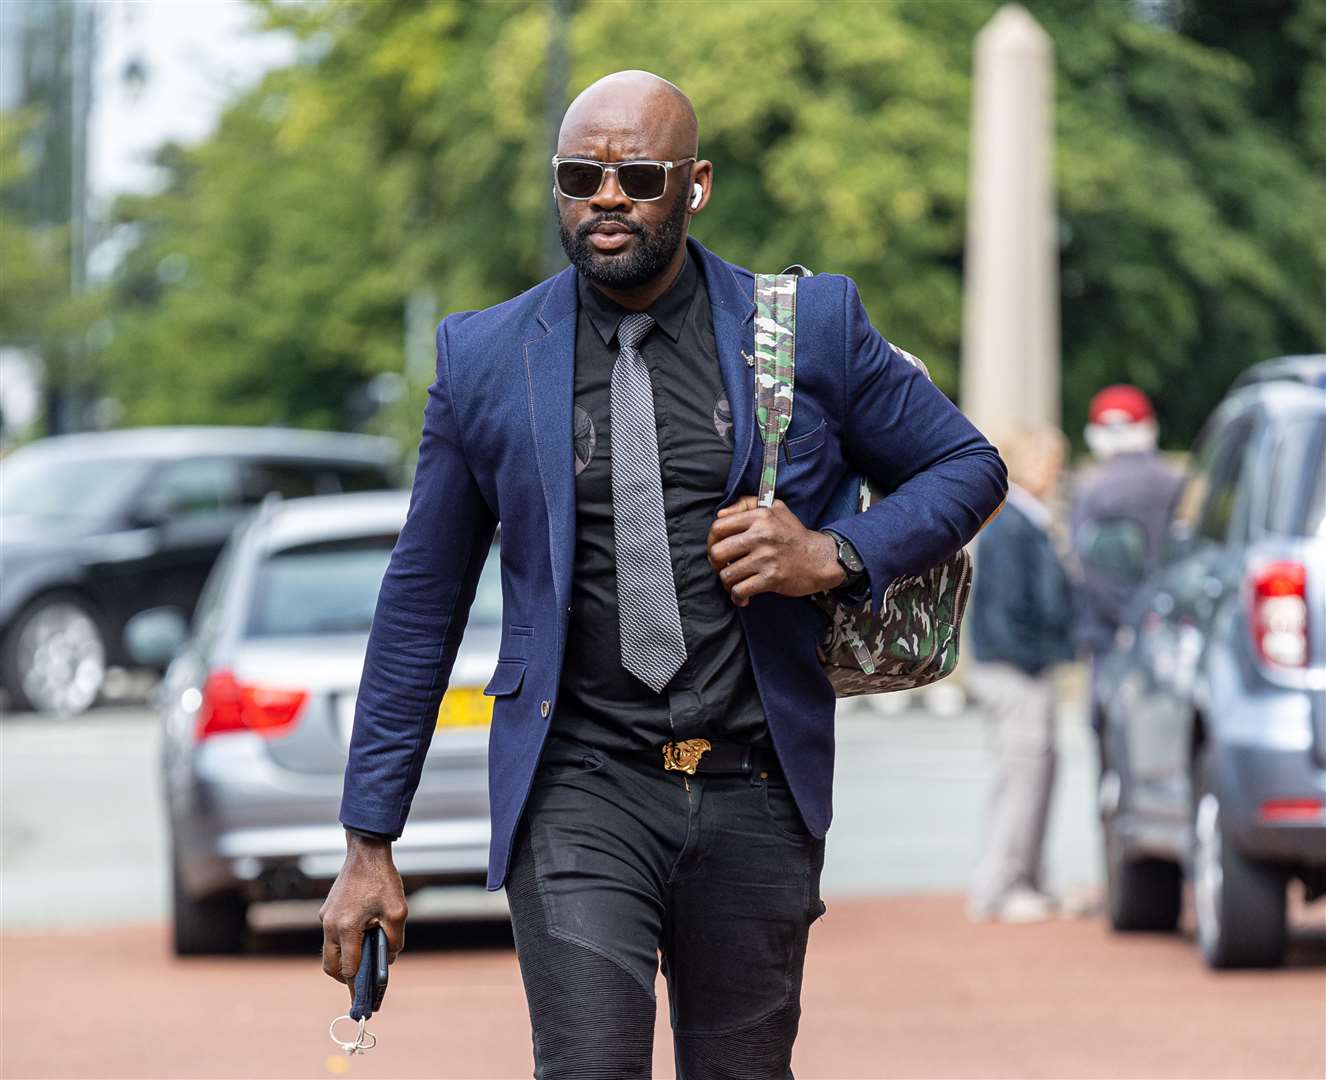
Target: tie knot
633,328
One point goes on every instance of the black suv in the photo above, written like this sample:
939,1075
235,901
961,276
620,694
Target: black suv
96,527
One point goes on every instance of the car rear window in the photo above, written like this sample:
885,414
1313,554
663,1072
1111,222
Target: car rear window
42,484
331,587
1297,504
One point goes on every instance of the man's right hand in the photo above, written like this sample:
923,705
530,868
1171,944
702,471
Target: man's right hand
367,892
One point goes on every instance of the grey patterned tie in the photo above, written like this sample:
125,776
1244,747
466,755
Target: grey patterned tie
652,644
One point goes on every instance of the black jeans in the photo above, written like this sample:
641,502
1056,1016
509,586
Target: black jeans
617,861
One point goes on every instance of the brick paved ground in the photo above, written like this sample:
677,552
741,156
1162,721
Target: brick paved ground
901,987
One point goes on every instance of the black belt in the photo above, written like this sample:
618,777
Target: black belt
693,756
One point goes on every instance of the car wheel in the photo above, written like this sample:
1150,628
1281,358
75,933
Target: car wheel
1239,903
1142,893
214,925
54,656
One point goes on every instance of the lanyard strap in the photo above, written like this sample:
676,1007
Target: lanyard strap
775,364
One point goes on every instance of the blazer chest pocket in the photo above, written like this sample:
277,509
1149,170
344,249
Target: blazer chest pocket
506,679
801,445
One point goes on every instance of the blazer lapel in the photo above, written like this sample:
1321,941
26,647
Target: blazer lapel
550,378
734,332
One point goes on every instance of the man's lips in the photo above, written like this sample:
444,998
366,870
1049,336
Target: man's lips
609,236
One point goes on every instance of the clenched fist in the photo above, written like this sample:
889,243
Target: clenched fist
757,549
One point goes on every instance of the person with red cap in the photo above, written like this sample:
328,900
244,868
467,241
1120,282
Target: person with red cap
1119,521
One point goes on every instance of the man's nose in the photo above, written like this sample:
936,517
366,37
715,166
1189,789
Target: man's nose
609,195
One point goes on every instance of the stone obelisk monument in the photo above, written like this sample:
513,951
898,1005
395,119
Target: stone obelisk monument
1010,323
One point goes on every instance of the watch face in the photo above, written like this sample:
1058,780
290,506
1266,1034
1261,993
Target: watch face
848,557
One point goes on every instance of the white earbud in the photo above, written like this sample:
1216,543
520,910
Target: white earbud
699,194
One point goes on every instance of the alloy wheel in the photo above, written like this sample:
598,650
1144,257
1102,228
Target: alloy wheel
61,658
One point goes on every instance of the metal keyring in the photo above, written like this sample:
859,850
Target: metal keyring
359,1045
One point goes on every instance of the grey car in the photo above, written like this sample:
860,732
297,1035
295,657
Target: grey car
1215,733
258,704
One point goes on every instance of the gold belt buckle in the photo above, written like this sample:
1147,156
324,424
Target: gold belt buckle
684,756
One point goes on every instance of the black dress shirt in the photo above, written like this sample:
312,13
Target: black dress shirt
713,694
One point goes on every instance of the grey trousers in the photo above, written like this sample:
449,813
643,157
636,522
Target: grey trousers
1021,712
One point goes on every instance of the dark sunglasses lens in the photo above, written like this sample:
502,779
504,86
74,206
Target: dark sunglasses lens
642,181
578,179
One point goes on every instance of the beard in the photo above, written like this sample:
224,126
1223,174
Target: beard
648,257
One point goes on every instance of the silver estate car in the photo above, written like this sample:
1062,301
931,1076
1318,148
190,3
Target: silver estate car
258,703
1215,735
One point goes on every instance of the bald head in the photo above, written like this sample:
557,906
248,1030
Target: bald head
630,114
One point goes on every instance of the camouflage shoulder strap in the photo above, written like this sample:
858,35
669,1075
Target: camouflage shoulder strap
775,365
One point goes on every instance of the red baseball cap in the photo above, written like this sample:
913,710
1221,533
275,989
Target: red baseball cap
1120,404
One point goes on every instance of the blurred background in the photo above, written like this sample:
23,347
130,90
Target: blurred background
227,233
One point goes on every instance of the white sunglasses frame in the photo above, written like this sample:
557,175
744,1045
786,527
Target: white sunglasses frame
613,166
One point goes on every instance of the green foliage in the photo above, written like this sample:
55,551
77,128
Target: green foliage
36,308
409,149
1192,226
33,261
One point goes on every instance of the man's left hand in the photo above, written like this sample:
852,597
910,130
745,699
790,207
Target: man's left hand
757,549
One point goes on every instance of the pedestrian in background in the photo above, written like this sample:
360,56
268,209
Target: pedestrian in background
1118,524
1019,626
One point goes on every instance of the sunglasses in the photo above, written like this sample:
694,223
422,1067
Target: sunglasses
640,181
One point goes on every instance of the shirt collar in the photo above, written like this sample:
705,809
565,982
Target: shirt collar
669,310
1035,510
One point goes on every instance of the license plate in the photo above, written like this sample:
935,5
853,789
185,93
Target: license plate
465,706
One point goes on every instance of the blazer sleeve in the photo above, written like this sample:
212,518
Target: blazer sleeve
899,428
422,608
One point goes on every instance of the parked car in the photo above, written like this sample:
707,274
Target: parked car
98,526
258,705
1308,370
1215,737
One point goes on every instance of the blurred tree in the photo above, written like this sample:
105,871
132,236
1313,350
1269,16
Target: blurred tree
33,259
409,149
1191,225
37,311
1283,42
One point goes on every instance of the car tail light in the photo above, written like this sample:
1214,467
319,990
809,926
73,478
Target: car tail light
230,705
1278,601
1275,810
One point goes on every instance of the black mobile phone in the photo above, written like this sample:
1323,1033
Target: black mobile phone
371,979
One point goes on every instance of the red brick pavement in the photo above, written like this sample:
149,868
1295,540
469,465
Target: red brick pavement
894,988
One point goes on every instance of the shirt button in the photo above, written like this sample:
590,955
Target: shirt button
544,706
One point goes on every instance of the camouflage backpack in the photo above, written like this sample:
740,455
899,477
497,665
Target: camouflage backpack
913,640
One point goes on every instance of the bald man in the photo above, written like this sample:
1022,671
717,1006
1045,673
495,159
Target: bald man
661,751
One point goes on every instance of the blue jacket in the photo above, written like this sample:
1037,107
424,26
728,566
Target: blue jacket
1021,608
496,445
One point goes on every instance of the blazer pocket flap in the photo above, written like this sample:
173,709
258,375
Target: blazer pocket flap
807,443
506,678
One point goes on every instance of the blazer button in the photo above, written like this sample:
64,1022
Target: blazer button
544,706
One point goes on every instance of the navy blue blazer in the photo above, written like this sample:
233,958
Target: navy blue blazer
496,445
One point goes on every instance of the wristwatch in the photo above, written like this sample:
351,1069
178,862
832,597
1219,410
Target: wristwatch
848,559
